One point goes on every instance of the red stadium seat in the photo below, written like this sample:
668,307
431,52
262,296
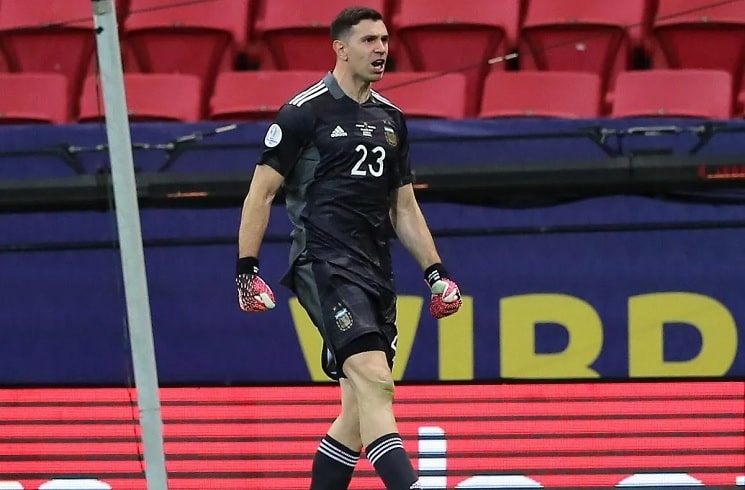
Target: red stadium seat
195,38
673,93
51,36
425,94
541,94
150,97
256,95
581,35
296,34
34,98
3,62
694,34
122,10
445,35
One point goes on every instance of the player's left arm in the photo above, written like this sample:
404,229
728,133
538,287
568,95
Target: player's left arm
406,216
411,228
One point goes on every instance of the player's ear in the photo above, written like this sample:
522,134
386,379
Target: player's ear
340,49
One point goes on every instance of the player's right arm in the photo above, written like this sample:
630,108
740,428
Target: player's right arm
283,144
255,295
256,209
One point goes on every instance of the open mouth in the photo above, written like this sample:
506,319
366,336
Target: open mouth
378,65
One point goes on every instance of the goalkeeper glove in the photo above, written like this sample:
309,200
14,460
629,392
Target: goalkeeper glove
446,298
254,295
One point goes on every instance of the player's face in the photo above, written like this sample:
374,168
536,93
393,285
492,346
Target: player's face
368,50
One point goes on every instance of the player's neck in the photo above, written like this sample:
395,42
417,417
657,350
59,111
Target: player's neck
356,89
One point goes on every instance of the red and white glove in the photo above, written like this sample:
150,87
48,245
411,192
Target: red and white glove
254,295
446,298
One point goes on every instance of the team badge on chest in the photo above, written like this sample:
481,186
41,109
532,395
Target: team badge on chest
390,136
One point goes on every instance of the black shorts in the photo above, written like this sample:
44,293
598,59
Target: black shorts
353,315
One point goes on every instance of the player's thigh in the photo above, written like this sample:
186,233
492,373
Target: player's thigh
349,405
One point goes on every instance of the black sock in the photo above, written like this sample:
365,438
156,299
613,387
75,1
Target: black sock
391,462
333,465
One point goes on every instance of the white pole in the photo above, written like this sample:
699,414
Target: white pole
130,241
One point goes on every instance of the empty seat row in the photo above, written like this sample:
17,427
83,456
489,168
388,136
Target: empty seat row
428,35
250,96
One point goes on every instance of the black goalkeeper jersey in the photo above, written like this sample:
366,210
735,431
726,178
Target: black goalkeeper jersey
340,160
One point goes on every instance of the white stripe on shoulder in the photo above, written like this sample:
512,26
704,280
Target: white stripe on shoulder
313,87
309,91
384,100
310,96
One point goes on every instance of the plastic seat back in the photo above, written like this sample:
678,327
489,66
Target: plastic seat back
581,35
54,36
197,38
34,98
694,34
673,93
257,95
541,94
425,94
444,36
150,97
295,35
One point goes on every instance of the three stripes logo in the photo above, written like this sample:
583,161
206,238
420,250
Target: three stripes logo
338,132
309,94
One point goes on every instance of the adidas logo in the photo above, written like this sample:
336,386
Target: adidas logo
338,132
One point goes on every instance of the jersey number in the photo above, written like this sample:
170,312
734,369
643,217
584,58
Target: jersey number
376,170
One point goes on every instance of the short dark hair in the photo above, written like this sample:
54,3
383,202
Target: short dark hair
350,17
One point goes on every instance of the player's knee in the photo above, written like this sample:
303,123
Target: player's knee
373,380
378,389
381,381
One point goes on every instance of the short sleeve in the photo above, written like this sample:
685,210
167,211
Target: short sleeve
286,138
402,171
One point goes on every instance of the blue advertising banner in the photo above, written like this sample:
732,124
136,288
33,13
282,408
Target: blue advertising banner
612,288
552,305
37,151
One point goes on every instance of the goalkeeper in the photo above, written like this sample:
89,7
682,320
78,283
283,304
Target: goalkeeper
340,152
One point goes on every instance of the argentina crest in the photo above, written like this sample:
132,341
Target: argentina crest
390,136
343,317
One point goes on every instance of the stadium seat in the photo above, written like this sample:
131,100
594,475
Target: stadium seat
695,34
3,63
53,36
581,35
425,94
295,35
150,97
443,35
201,39
673,93
33,98
256,95
541,94
122,10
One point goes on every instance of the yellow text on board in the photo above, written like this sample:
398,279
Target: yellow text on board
518,316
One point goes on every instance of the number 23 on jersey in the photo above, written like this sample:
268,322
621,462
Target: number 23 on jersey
369,162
